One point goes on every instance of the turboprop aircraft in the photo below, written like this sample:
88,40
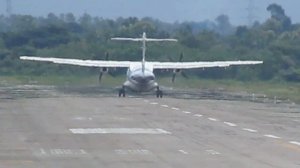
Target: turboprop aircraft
140,76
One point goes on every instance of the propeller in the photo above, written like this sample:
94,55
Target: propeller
103,69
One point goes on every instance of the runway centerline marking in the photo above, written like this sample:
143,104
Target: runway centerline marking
272,136
198,115
118,131
230,124
249,130
213,119
183,152
295,143
186,112
175,108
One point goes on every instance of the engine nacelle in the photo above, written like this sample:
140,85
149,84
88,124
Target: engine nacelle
176,70
104,70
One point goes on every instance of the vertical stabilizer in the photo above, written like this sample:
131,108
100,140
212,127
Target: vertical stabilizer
144,52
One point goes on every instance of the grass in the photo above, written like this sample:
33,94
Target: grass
284,90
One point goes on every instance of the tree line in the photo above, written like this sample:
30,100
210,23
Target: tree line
275,41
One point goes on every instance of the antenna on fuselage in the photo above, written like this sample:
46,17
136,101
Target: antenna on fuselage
144,39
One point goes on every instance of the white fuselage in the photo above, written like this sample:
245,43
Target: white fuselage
140,80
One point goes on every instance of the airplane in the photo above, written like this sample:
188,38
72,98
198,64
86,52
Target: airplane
140,75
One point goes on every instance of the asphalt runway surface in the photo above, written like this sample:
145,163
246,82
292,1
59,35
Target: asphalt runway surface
46,127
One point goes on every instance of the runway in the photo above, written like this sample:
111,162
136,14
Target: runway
82,130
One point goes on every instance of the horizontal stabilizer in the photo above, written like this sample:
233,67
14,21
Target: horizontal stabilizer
141,39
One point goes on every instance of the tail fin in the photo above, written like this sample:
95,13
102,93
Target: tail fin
144,39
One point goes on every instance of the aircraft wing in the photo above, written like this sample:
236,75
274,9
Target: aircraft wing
126,64
190,65
88,63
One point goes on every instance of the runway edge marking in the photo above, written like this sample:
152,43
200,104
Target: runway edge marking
213,152
230,124
154,103
250,130
198,115
272,136
295,143
186,112
213,119
183,152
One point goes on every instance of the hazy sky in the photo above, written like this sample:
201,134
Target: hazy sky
165,10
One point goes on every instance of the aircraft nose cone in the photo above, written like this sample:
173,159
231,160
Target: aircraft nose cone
142,79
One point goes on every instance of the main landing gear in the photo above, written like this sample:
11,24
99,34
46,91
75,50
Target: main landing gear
159,93
122,92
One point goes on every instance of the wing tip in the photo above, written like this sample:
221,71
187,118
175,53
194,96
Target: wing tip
23,57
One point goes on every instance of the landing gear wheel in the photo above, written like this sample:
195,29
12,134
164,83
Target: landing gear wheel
122,92
159,94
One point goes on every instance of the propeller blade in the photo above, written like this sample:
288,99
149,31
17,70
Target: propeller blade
111,73
173,77
100,76
106,55
181,57
170,59
184,75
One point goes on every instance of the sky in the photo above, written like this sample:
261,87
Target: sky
164,10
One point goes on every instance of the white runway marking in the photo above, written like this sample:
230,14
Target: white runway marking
61,152
272,136
213,152
186,112
175,108
249,130
183,152
118,131
82,118
198,115
230,124
146,101
164,105
213,119
43,152
295,143
154,103
132,152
